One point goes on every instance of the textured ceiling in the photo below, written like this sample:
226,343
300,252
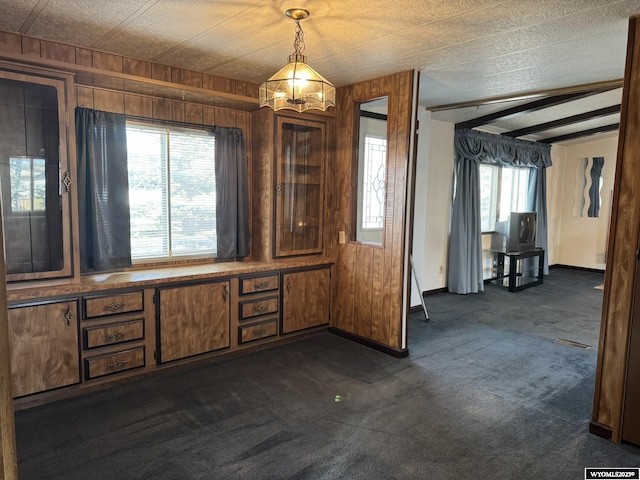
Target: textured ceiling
467,50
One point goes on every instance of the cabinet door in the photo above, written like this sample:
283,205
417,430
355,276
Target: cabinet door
44,347
300,186
34,177
193,319
305,300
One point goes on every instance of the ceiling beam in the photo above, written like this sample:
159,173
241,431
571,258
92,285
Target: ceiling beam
525,108
561,122
583,133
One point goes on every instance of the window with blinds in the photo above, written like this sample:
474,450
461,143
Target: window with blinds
172,192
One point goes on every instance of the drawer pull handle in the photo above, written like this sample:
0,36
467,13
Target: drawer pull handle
68,316
114,307
260,308
115,336
225,293
117,364
261,285
288,285
259,333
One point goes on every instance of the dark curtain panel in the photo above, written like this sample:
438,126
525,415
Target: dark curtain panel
232,194
594,190
537,202
103,190
465,237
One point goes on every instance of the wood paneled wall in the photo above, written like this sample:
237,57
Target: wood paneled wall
621,272
368,293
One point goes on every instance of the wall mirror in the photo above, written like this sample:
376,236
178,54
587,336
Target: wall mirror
372,170
587,197
30,179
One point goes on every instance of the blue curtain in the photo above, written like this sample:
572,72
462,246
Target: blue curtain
103,190
465,236
537,202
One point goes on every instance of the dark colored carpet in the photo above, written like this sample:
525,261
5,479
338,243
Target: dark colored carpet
486,393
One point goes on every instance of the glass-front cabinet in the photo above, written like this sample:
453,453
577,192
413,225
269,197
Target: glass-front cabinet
34,177
300,153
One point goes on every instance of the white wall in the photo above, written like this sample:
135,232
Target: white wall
579,241
434,183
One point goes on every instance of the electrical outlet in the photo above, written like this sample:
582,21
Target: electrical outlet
342,237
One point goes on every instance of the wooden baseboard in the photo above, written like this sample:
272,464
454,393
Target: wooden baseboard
394,352
600,430
436,291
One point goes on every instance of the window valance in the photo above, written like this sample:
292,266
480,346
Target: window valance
483,147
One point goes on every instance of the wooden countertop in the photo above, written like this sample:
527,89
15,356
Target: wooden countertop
152,277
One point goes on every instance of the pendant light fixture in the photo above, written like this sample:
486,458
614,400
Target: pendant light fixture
297,86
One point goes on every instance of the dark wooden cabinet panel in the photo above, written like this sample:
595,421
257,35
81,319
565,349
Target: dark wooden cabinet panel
44,347
193,319
305,300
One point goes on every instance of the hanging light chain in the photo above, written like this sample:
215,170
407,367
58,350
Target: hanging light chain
298,42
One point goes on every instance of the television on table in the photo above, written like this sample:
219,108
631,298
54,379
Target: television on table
519,230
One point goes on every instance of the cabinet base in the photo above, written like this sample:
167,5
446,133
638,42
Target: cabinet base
600,430
394,352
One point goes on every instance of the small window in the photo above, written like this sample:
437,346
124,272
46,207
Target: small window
28,184
502,190
375,161
172,192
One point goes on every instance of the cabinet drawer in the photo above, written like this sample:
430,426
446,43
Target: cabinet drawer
114,362
113,334
258,284
113,304
256,331
261,306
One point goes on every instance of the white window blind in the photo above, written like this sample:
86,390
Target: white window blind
171,192
502,190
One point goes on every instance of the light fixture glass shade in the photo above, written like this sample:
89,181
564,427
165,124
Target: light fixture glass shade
298,87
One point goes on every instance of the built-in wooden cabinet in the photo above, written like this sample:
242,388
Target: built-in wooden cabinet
300,159
305,299
35,176
193,319
44,347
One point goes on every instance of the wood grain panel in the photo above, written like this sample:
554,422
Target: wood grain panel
261,306
224,84
44,347
138,105
57,51
378,319
178,111
618,301
262,175
84,56
209,115
193,320
108,61
31,46
84,97
139,68
225,118
193,113
257,331
207,81
192,79
177,75
10,42
162,109
363,297
161,72
108,101
304,300
259,284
